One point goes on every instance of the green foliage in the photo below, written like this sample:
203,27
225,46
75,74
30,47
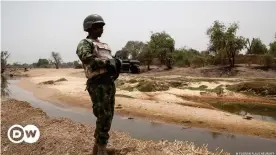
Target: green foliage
272,48
133,48
258,88
146,55
224,44
77,65
122,54
268,60
223,40
162,46
198,61
151,86
218,90
4,56
256,47
181,58
201,88
42,63
191,58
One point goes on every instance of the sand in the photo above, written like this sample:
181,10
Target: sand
166,106
63,136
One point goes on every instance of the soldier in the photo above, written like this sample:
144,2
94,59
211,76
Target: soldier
101,70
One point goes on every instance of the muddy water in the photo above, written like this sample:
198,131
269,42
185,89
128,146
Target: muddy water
257,111
143,129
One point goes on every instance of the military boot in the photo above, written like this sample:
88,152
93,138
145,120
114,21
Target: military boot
102,150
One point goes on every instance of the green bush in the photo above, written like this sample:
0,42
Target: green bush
187,58
268,60
262,88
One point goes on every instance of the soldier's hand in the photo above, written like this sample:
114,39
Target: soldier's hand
97,64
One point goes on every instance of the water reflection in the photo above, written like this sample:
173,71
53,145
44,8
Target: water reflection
4,87
215,135
258,111
229,136
144,129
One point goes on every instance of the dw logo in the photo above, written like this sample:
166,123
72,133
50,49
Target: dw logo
28,134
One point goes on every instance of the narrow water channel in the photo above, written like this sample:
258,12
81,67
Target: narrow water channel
143,129
257,111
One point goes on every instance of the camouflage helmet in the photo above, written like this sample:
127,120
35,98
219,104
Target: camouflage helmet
92,19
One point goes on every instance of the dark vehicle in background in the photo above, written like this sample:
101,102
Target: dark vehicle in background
130,66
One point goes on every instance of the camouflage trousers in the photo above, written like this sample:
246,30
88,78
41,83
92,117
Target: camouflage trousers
103,101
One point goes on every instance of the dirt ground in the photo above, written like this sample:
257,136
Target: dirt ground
63,136
183,97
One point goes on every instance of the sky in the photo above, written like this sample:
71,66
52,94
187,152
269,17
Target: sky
32,30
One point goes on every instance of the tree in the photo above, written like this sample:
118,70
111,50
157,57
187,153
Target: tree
134,48
146,55
16,64
256,46
77,64
42,63
4,56
181,57
225,41
249,45
56,59
272,47
122,54
162,46
190,57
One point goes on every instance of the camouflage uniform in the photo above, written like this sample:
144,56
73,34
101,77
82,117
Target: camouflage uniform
100,84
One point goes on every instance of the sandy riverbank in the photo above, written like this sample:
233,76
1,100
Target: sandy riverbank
166,106
78,138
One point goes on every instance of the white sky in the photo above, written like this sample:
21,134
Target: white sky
32,30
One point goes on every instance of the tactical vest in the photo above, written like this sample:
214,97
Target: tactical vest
100,51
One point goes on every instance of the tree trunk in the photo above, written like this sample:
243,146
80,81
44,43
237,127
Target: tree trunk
233,59
229,59
230,56
57,67
168,63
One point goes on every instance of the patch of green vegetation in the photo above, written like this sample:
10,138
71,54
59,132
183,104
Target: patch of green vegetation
261,88
150,86
61,79
264,79
47,82
132,81
205,80
199,80
252,108
218,90
201,88
176,84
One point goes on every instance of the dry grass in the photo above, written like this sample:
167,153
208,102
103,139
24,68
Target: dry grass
150,86
61,79
47,82
50,82
262,88
63,136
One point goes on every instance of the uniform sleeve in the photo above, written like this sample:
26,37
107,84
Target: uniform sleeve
84,51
